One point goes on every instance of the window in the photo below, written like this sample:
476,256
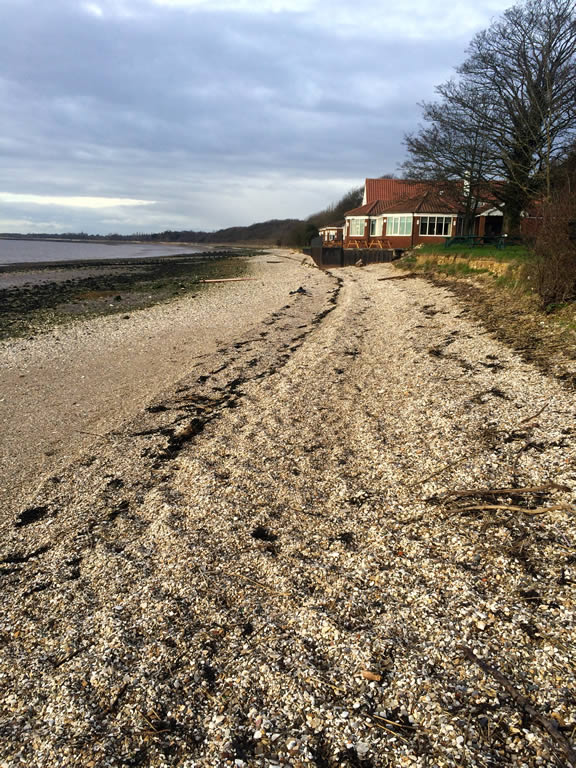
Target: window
435,225
399,225
357,227
375,227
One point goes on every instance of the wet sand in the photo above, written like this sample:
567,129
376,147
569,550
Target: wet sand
31,277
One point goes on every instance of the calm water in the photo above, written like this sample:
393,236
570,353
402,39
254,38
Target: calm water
36,251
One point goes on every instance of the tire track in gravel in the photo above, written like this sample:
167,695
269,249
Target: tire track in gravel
270,533
323,542
178,416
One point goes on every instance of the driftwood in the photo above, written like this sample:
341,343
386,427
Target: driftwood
70,656
529,418
228,280
524,704
255,583
443,469
114,703
398,277
378,724
512,508
511,491
393,722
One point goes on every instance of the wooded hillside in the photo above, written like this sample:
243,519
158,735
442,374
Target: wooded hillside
273,232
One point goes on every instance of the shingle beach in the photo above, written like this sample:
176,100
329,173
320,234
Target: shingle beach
326,504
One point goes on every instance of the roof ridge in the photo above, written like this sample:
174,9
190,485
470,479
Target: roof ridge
424,198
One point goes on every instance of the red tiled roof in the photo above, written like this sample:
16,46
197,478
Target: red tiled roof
370,209
392,189
428,202
399,189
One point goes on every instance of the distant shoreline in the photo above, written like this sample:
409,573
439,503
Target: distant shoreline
104,241
36,251
38,266
36,297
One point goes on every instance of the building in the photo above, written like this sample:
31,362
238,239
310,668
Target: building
332,235
425,214
397,213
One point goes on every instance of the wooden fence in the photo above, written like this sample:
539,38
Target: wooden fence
337,256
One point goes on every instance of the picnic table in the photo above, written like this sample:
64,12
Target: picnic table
370,244
500,241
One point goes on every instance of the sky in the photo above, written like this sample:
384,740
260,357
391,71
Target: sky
145,115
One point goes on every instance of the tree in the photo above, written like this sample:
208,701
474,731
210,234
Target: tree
450,148
563,175
516,95
528,61
555,247
302,234
334,214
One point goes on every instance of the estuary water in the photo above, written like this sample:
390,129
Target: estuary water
38,251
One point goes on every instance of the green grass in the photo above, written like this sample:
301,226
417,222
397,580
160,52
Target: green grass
460,268
566,318
513,253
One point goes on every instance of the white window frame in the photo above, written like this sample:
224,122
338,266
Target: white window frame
376,227
356,225
399,225
425,224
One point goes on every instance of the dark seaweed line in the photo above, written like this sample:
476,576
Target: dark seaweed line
178,433
231,392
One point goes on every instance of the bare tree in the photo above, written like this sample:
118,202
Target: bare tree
515,95
334,213
450,147
527,61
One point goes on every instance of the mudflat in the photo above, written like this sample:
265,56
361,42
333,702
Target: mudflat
327,542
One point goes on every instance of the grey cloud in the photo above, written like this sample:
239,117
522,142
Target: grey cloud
157,104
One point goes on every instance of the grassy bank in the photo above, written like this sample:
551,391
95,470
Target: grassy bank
498,288
462,260
515,254
123,287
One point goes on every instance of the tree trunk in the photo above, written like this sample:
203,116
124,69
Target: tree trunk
512,219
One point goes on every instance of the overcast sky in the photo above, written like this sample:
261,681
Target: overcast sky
145,115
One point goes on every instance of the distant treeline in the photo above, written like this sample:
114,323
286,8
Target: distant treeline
273,232
280,232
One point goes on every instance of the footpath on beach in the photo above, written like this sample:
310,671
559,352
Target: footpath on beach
343,536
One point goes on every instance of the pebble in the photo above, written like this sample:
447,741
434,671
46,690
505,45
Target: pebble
253,654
